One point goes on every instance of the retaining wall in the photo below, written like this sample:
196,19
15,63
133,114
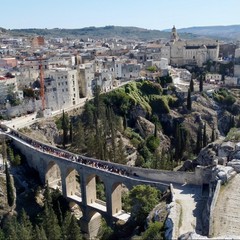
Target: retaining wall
212,207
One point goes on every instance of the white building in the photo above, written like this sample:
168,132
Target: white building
236,70
237,53
231,81
61,88
127,70
191,52
86,75
213,77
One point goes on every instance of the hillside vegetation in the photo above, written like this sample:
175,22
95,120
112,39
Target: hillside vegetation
220,32
98,32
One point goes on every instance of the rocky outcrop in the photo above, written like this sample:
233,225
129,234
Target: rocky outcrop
235,164
45,131
146,128
223,173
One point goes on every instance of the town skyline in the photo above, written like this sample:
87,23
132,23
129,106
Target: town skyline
158,15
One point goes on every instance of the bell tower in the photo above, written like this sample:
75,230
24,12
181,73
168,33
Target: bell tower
174,35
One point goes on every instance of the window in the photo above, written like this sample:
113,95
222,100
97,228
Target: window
62,90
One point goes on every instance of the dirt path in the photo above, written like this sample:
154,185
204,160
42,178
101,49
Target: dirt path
227,211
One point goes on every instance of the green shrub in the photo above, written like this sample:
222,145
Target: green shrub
160,104
152,69
224,96
154,231
152,143
150,88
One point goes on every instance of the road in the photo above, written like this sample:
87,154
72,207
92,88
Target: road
27,120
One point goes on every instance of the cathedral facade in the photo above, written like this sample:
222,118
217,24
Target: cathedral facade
190,52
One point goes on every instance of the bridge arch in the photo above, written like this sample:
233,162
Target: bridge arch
118,192
53,175
93,196
73,184
76,209
94,223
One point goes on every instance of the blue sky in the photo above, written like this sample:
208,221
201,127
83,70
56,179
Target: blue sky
150,14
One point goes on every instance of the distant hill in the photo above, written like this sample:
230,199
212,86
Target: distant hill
99,32
231,32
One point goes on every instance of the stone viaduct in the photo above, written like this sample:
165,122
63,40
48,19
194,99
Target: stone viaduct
77,179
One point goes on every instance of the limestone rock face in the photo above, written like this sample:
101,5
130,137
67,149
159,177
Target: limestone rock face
45,131
226,149
137,111
207,156
223,173
146,128
235,164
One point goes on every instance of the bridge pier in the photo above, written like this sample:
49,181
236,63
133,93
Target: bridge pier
113,198
64,185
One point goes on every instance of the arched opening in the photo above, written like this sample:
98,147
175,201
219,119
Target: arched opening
76,210
53,176
120,208
94,224
96,193
73,185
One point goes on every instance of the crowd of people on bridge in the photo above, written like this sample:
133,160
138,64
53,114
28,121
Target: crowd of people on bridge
70,156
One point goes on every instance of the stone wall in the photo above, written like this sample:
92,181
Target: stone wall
172,221
212,206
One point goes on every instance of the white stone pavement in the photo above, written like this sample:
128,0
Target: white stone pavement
188,197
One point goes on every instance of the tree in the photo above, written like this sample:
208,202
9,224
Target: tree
121,157
152,143
204,135
10,191
199,143
65,127
2,235
97,101
39,233
189,100
74,232
105,232
213,135
191,85
201,83
142,199
71,132
50,224
26,228
79,137
4,149
154,231
12,97
11,228
70,228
